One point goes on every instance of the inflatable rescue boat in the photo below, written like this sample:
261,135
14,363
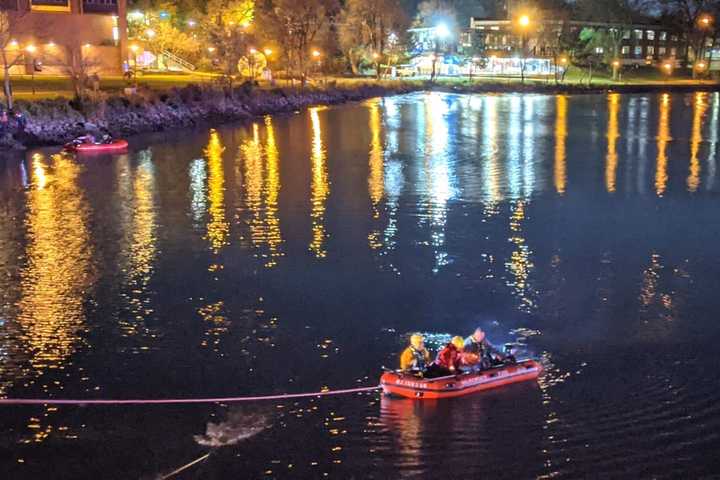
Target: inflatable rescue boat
411,386
114,146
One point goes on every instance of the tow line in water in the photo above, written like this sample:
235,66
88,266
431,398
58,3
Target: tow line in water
171,401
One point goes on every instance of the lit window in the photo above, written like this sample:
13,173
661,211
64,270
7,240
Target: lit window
663,36
626,50
674,38
638,51
599,50
639,34
662,51
650,34
650,50
673,51
626,34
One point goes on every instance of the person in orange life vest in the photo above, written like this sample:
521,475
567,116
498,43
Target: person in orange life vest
415,358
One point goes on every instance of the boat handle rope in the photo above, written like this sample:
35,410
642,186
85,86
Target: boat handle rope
176,401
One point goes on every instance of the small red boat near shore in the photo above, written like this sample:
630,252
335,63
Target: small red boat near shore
114,146
410,386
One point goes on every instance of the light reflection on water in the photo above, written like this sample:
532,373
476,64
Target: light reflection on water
320,186
583,225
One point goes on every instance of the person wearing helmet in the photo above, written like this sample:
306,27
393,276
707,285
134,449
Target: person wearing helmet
415,358
479,352
449,359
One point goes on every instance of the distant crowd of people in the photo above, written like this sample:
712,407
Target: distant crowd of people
11,121
473,353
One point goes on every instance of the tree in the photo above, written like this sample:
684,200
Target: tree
685,15
163,30
297,25
12,25
351,37
227,26
78,64
368,28
431,13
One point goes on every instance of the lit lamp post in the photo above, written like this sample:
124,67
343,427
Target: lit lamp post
705,22
376,61
564,62
251,62
31,49
524,23
134,49
266,53
616,69
668,69
441,32
316,55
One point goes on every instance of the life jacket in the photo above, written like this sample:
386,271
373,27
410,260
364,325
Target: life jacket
478,348
418,358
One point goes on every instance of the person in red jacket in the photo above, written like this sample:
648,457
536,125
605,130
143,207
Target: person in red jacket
448,360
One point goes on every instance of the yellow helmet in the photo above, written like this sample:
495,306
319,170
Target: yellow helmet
417,340
458,342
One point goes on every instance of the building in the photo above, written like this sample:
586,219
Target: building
637,44
52,35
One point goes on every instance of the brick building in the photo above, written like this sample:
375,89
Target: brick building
638,43
51,32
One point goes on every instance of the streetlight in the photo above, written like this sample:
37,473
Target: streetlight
440,32
134,49
31,49
668,68
704,23
524,23
150,33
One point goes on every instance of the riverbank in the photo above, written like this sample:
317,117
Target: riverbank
56,121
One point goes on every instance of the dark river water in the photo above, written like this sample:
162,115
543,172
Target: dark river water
298,252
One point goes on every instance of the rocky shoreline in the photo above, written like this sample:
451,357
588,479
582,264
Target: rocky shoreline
54,122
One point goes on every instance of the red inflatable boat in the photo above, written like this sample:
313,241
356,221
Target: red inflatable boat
410,386
114,146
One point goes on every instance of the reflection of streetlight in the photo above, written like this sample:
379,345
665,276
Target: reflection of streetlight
211,49
267,52
315,53
31,48
524,21
150,33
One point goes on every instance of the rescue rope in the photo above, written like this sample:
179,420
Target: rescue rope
170,401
